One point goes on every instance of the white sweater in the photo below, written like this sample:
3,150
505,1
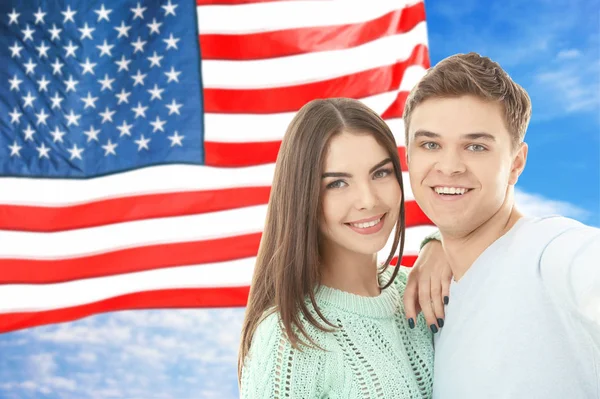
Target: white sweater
524,320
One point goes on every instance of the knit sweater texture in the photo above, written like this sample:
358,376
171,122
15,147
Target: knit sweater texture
373,354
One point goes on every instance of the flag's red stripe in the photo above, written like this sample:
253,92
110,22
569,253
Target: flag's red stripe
232,2
104,212
288,42
117,210
35,271
292,98
250,154
160,299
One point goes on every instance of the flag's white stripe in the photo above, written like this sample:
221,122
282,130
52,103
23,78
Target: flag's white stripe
151,180
312,67
139,233
37,297
245,128
291,14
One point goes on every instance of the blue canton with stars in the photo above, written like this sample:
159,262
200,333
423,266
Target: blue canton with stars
90,88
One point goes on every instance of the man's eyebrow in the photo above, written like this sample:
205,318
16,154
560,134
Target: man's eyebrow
342,174
426,133
469,136
479,136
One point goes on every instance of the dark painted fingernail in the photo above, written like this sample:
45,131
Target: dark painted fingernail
433,328
441,323
411,323
446,300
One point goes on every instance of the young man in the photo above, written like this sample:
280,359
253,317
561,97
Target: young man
523,319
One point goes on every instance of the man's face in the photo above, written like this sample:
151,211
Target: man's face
461,161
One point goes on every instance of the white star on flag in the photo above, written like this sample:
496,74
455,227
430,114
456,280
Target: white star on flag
43,150
71,49
139,45
89,101
107,115
73,119
30,66
92,134
28,100
103,14
155,60
124,129
68,15
75,152
176,139
29,132
171,42
15,82
88,67
15,116
174,107
39,16
105,49
142,143
56,100
15,149
110,148
57,135
106,82
123,64
156,92
15,50
55,32
43,50
123,96
123,30
56,67
154,26
86,32
138,12
28,32
158,125
41,118
43,84
173,75
170,8
139,111
13,17
71,83
139,78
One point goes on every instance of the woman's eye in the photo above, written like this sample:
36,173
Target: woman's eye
476,148
430,145
382,173
336,184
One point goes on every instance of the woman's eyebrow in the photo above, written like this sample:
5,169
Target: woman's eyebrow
343,174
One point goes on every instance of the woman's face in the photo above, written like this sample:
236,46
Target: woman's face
360,195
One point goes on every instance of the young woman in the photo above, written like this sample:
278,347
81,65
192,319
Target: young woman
324,319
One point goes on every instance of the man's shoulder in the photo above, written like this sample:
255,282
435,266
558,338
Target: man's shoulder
548,227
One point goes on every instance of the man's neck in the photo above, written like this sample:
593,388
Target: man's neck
462,250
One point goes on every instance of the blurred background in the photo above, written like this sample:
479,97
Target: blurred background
550,47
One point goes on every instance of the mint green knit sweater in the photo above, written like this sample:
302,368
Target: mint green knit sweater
374,354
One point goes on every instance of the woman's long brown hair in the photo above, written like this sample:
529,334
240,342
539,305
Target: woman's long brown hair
287,266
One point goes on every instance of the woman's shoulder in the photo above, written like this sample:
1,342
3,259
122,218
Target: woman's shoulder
401,277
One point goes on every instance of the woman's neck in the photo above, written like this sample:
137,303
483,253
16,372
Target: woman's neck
349,271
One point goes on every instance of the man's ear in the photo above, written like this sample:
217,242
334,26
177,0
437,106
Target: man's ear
518,164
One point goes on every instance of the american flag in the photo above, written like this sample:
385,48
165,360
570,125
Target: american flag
138,139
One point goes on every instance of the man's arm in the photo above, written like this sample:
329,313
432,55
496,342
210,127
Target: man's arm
570,268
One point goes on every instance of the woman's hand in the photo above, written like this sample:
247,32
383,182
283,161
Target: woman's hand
428,286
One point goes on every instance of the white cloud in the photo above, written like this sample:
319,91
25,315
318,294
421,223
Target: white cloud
568,54
537,205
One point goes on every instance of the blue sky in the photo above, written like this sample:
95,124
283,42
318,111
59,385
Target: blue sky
551,47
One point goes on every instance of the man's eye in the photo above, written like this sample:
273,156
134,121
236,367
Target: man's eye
430,145
476,148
